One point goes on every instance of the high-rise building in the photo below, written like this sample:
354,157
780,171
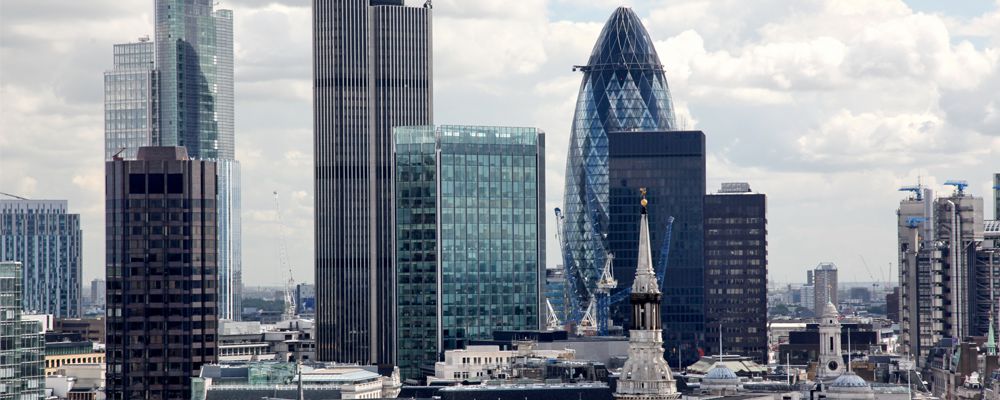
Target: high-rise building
670,166
825,285
194,63
470,237
645,375
46,239
736,272
372,71
624,89
947,282
130,99
807,297
162,263
557,294
22,356
97,292
996,196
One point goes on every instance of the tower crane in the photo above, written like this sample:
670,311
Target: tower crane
284,263
959,185
574,277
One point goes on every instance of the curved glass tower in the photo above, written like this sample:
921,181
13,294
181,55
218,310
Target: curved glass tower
623,89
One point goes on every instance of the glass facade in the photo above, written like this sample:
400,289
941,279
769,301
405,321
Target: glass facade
194,63
623,89
671,167
372,71
130,94
736,274
161,269
557,293
46,239
469,236
22,354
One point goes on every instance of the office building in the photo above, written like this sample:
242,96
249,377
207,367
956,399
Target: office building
623,89
557,292
736,272
670,167
97,292
65,349
470,236
305,299
825,286
361,91
282,380
131,117
194,62
996,196
807,297
959,230
22,356
916,282
46,239
162,263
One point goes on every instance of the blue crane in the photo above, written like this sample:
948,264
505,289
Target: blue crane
959,185
605,299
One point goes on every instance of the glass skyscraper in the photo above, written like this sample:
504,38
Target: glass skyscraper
130,98
46,239
470,236
671,167
194,63
624,89
372,71
22,354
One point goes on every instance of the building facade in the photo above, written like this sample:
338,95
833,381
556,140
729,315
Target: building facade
623,89
996,196
194,62
361,91
470,237
916,282
162,263
557,295
825,286
736,272
670,166
22,356
47,240
131,91
97,292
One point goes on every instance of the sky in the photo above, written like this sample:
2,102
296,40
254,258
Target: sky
826,106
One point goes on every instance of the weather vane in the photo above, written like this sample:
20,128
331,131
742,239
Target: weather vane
642,191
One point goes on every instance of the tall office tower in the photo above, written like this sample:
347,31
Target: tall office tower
645,375
557,294
194,60
131,119
670,166
470,237
958,231
22,356
372,71
47,240
807,297
825,284
624,89
996,196
161,273
916,282
809,277
736,272
97,292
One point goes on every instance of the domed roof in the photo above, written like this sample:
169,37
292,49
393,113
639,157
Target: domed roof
720,372
849,380
830,310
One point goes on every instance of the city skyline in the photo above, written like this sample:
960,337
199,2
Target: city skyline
796,154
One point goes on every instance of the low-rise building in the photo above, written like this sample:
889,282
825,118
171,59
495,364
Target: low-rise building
69,349
282,380
286,341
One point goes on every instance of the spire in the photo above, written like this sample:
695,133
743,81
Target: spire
645,277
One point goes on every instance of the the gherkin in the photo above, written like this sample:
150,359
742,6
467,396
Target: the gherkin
623,89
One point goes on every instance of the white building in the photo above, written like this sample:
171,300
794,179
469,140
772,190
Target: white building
489,362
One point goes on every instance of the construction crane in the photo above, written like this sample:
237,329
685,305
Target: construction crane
918,191
574,278
959,185
605,285
870,275
13,196
552,322
284,263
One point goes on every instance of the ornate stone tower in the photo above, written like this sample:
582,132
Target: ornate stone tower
646,375
830,356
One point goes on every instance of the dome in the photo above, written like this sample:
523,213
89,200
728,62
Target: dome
720,371
849,380
830,310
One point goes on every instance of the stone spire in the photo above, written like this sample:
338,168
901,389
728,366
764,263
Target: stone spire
646,375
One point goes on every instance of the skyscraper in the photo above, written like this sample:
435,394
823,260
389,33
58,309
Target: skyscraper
825,284
194,62
670,166
624,89
46,239
916,282
22,355
130,97
736,272
470,237
996,196
372,71
161,273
